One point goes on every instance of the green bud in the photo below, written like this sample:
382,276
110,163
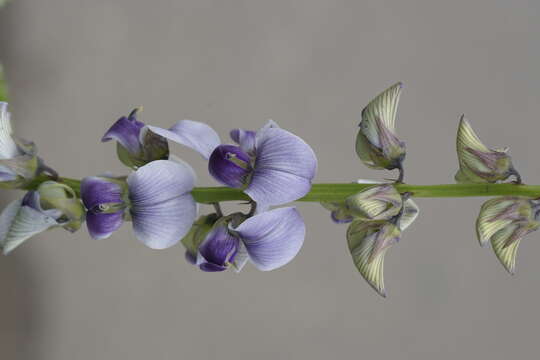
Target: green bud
200,228
505,221
379,202
368,243
498,213
376,143
59,196
477,163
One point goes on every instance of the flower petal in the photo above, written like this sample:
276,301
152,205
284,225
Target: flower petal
8,147
230,165
193,134
410,213
383,108
244,138
18,223
505,242
273,238
160,181
241,258
219,247
284,168
97,190
102,225
162,210
368,243
126,131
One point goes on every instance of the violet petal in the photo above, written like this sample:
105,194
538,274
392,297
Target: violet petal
193,134
229,165
126,132
273,238
162,208
284,168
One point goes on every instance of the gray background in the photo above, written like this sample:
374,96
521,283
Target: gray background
75,66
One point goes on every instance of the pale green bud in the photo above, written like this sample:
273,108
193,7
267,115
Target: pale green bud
477,163
379,202
376,143
505,221
368,244
61,197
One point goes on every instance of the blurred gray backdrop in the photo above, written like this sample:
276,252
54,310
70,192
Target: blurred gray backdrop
75,66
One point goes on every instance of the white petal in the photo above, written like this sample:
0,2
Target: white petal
193,134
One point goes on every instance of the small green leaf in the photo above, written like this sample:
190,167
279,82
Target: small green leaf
3,85
198,232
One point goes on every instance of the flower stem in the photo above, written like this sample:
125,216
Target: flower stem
339,191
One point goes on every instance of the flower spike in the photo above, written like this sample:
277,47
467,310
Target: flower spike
376,143
477,163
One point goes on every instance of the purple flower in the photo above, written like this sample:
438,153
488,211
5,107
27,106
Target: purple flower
272,165
136,145
156,197
269,240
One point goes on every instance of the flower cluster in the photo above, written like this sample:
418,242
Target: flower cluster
377,216
272,166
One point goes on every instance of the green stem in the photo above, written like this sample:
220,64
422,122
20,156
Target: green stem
338,192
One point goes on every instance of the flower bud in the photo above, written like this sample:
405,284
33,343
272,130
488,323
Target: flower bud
218,249
477,163
58,196
136,145
368,243
498,213
505,221
230,165
379,202
376,143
